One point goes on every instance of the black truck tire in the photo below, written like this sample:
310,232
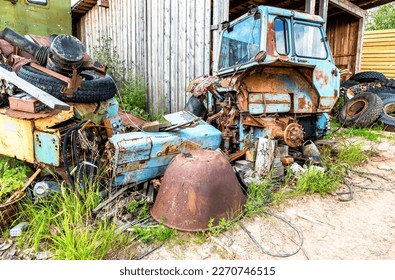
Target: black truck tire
361,110
6,67
384,95
368,76
94,87
348,83
387,115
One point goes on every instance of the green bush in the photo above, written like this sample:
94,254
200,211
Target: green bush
132,88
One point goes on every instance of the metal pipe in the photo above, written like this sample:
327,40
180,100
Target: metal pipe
17,40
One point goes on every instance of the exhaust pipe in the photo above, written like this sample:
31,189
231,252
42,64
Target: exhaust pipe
40,53
65,53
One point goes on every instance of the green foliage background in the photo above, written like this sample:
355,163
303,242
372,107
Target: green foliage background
381,18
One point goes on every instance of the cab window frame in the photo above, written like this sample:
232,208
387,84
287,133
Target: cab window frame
285,36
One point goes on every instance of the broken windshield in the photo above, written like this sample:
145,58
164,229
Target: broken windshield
240,42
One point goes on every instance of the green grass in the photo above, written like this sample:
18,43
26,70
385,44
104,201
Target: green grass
372,133
13,173
223,225
149,233
351,154
138,208
316,181
64,223
258,195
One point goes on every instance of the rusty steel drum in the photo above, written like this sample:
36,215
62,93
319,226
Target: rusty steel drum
198,186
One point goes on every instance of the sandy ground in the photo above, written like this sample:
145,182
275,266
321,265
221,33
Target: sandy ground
360,229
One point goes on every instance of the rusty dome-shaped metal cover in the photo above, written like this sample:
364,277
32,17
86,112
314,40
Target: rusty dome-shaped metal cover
197,186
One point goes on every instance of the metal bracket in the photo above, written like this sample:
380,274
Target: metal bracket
73,84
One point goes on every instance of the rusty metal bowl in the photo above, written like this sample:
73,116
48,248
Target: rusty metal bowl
198,186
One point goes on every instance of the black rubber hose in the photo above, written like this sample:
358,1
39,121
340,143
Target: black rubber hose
64,152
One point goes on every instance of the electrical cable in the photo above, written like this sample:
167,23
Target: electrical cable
148,252
372,174
64,152
299,233
350,192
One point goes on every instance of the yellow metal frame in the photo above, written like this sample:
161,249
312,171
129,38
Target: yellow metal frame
16,137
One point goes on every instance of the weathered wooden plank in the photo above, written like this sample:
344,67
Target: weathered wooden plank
182,37
323,10
190,45
199,43
348,7
155,58
174,55
167,56
34,91
361,27
310,7
160,54
207,37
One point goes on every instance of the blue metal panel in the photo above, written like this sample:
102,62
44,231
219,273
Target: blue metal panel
47,148
132,147
111,108
145,155
260,103
323,125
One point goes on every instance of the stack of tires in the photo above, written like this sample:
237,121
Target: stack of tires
374,100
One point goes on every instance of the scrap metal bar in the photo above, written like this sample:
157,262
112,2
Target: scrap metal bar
72,84
34,91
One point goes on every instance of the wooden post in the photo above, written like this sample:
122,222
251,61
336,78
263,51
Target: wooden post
220,14
323,10
358,56
310,7
264,156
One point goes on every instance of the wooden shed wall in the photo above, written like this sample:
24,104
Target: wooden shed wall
342,34
168,42
379,52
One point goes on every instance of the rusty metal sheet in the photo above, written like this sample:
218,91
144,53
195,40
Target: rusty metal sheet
40,40
55,118
130,119
30,116
198,186
202,85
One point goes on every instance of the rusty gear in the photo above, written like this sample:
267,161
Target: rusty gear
293,135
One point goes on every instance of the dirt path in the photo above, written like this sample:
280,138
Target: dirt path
363,228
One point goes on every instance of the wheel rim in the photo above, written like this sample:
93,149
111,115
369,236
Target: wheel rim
389,110
357,107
